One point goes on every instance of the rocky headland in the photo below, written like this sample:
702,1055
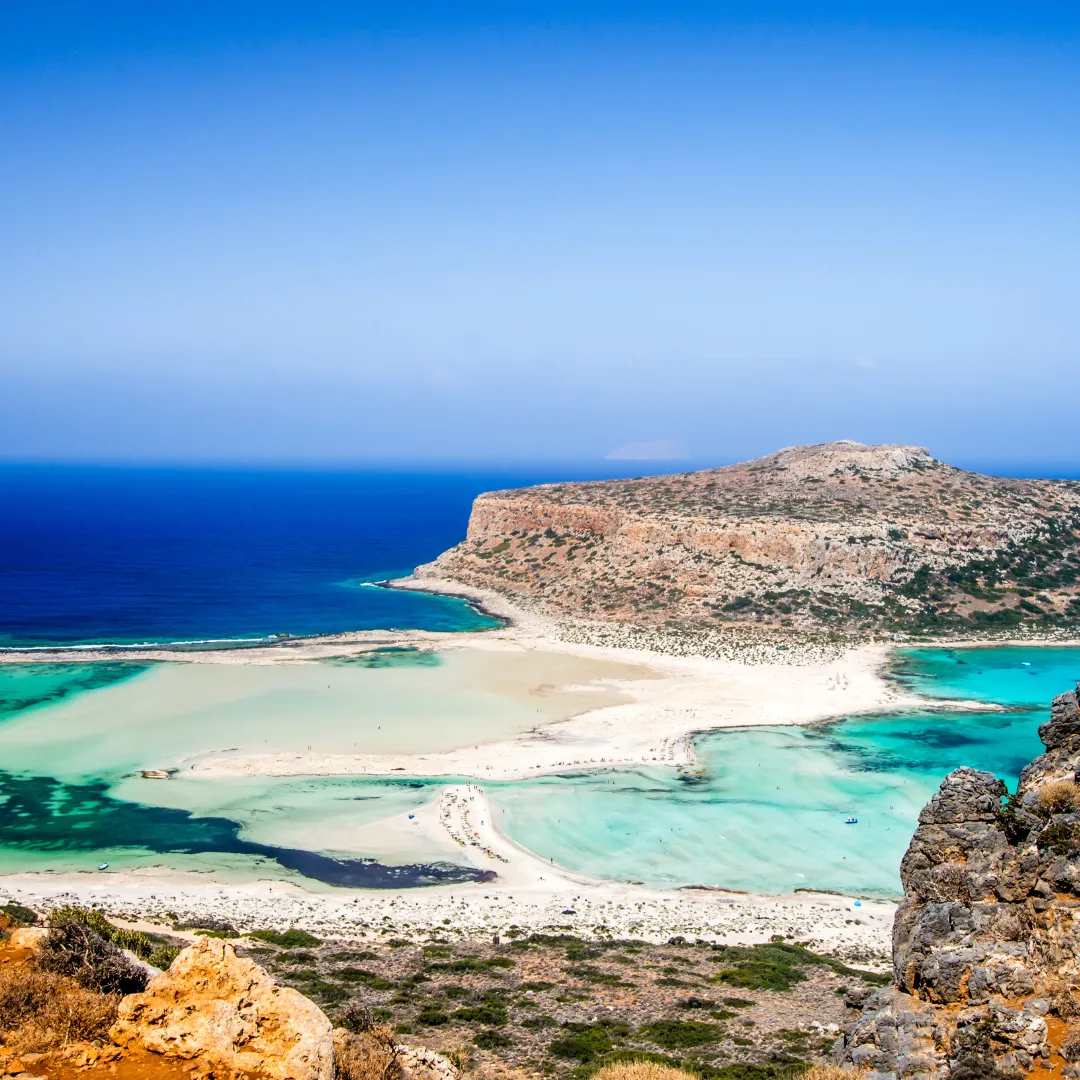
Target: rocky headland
986,943
840,535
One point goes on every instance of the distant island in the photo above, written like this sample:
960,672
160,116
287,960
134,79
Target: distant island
853,538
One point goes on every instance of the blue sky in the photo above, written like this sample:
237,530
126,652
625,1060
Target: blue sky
537,232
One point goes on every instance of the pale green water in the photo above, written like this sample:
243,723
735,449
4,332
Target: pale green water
167,714
766,813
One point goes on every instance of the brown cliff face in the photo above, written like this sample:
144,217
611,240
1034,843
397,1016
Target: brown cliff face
986,942
840,534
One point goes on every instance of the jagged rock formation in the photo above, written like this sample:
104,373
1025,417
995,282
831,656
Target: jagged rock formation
986,943
227,1013
840,534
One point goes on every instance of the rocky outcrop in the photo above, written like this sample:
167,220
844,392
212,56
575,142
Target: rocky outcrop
229,1014
986,943
842,534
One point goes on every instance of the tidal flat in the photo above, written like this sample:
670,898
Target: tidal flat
762,809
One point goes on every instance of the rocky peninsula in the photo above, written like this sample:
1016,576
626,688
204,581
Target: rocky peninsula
840,536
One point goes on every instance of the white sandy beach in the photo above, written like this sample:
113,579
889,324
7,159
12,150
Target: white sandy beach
648,705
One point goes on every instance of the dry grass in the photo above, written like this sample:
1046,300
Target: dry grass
1060,797
43,1011
829,1072
367,1055
641,1070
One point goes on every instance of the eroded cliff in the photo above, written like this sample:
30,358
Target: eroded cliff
839,534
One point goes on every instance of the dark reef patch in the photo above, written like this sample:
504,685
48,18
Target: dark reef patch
41,813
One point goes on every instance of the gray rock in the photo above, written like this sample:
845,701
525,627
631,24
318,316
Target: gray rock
986,923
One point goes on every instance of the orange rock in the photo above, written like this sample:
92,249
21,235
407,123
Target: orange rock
226,1013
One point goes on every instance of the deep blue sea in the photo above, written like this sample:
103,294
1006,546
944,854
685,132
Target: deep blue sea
129,555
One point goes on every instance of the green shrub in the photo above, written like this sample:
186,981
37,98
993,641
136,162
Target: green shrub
541,1021
492,1040
777,965
90,917
286,939
134,941
163,956
431,1017
584,1045
19,915
680,1034
360,975
482,1014
595,975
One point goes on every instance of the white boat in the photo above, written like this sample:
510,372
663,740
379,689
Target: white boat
851,821
104,866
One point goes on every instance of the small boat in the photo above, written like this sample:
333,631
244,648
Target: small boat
104,866
851,821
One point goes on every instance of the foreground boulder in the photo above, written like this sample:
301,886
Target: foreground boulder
986,943
228,1013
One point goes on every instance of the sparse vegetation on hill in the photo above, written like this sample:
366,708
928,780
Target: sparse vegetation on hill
841,536
537,1004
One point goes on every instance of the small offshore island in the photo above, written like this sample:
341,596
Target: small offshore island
635,616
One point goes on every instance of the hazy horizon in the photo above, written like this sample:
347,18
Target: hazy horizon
587,236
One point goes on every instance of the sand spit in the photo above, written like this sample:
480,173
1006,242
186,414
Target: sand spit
665,699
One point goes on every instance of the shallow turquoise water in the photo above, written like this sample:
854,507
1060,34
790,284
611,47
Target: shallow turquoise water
1007,676
26,686
764,812
767,810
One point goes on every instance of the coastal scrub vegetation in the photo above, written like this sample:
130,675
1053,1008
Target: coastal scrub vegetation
566,1006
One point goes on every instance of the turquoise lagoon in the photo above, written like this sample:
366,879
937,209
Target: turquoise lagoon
765,811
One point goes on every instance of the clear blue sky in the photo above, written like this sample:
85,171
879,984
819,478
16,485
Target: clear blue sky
246,231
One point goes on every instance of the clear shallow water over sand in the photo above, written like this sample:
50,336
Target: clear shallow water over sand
765,812
71,751
169,713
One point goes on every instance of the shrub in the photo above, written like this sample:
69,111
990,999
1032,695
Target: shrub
45,1010
206,924
680,1034
1060,838
1059,797
585,1045
541,1021
134,941
19,915
492,1040
371,1054
482,1014
286,939
432,1017
163,956
360,975
75,949
778,965
978,1067
595,975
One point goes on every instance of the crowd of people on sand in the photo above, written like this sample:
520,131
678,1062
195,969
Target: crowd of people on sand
462,831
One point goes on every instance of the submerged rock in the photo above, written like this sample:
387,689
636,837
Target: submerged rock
228,1013
986,941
